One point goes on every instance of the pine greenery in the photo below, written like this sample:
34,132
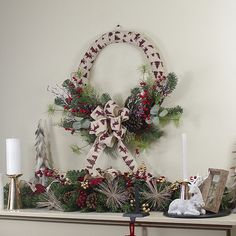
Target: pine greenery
171,82
78,100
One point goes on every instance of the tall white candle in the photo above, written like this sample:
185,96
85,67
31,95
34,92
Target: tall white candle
13,156
1,192
184,157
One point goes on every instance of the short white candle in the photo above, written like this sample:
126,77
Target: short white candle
184,157
13,156
1,192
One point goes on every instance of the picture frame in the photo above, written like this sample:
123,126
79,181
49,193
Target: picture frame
213,189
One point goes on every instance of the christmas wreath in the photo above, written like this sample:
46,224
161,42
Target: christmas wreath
100,120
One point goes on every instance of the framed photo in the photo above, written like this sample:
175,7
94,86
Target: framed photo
213,189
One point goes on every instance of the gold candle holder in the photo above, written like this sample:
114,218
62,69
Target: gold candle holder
14,198
185,189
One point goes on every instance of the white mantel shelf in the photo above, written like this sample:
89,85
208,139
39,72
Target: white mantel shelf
156,219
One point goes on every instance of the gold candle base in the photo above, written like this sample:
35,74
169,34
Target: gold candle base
14,199
185,189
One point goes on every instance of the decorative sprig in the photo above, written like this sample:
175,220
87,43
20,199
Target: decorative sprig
50,201
114,193
157,195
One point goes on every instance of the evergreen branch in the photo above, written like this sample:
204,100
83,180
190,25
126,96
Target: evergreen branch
171,83
76,149
74,175
90,138
174,114
52,109
144,140
105,97
144,69
59,101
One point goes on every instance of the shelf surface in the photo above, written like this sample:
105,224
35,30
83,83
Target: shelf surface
92,217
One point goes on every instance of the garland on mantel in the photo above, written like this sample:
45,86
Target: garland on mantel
108,191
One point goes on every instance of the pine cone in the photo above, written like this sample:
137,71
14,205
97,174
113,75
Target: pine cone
91,201
130,193
135,123
67,196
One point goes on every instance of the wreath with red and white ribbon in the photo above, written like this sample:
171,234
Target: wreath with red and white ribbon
100,120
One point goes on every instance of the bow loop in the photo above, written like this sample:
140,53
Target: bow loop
115,123
98,127
98,113
124,114
111,109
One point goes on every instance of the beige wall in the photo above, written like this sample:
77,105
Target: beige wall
41,42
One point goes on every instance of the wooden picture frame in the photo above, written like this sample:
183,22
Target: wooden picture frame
213,189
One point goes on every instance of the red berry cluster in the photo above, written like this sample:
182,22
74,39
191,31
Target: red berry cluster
161,77
70,129
95,181
71,85
39,189
50,174
84,111
79,90
81,200
78,81
138,175
129,183
68,100
142,175
159,81
145,101
75,90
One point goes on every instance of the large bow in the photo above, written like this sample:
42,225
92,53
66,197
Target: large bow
108,129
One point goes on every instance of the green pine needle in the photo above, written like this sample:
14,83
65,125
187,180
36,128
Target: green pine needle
171,82
174,114
75,149
79,73
51,109
105,97
144,68
144,140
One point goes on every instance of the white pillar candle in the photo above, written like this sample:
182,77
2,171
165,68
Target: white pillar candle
13,156
184,157
1,192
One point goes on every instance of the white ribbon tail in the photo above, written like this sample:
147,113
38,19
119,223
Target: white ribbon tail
126,156
94,154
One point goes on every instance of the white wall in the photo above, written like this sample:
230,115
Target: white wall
42,42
